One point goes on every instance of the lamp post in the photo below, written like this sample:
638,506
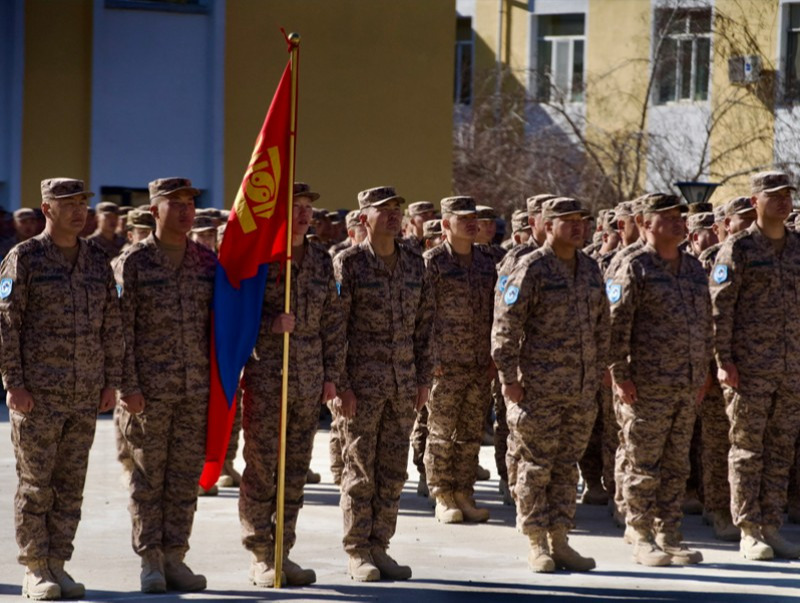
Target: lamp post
696,192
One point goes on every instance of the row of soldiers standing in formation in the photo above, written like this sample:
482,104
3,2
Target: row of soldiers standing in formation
381,332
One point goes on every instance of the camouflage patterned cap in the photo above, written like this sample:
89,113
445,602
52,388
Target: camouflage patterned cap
164,187
107,207
140,219
460,206
534,204
738,205
124,210
61,188
301,189
203,223
375,197
24,213
335,216
485,212
700,208
562,206
431,229
210,212
770,182
609,218
655,202
624,210
519,221
420,207
719,213
353,218
701,221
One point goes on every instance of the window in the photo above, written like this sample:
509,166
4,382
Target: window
684,55
560,58
793,54
463,74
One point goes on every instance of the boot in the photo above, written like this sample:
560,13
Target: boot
262,569
69,588
312,477
564,556
38,583
229,478
720,522
212,491
617,514
296,575
669,541
152,577
780,546
482,474
753,546
179,576
388,567
422,486
539,556
594,494
629,536
645,551
506,492
362,569
468,509
447,510
691,503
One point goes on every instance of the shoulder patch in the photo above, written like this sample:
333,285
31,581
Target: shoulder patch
501,283
720,274
338,288
6,285
511,295
613,291
119,290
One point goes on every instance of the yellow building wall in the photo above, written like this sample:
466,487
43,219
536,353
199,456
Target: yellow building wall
56,115
376,92
514,45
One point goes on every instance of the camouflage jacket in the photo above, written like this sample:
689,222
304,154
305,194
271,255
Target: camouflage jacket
755,294
507,265
550,332
388,318
463,306
165,317
709,256
619,256
660,322
111,248
494,250
60,328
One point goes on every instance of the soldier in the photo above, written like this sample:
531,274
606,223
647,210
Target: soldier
754,292
701,232
387,306
165,284
355,233
61,363
315,345
106,237
462,280
432,234
139,225
660,350
487,223
520,227
549,342
204,232
25,227
418,213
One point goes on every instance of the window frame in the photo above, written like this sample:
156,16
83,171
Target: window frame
680,39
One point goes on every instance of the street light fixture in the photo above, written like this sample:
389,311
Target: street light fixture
696,192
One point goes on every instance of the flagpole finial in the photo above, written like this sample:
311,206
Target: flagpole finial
294,39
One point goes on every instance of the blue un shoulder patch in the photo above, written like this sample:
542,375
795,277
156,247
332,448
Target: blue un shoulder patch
511,296
501,283
720,274
6,285
119,290
338,288
613,291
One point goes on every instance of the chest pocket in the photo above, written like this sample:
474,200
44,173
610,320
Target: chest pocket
410,297
371,300
95,301
315,295
47,291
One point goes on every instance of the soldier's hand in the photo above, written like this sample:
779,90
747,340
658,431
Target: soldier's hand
422,397
134,403
607,378
108,398
728,375
19,399
626,392
513,392
328,391
492,371
348,399
283,323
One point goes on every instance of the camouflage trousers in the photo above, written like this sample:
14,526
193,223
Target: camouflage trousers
123,453
456,413
375,462
236,428
419,439
548,435
167,443
258,490
765,420
500,430
714,450
335,443
657,433
793,493
51,447
597,463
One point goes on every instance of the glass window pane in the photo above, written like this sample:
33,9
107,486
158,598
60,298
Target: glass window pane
794,16
561,78
561,25
700,20
685,74
701,67
665,74
577,71
543,70
793,66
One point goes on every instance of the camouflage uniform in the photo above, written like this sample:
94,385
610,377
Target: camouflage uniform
388,320
550,334
314,349
755,294
60,331
165,315
110,248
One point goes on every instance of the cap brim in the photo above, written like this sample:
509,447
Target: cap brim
87,194
584,213
195,192
778,188
204,229
681,206
464,212
397,198
310,195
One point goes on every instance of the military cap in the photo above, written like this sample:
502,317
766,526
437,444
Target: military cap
335,216
485,212
431,229
124,210
562,206
623,210
107,207
140,219
655,202
700,208
319,213
203,223
353,219
519,221
534,204
224,214
221,229
701,221
420,207
738,205
61,188
790,219
163,187
610,217
461,206
301,189
209,212
719,213
770,182
24,213
797,220
375,197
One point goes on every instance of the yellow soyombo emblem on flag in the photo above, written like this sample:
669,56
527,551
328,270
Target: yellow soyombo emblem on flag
259,191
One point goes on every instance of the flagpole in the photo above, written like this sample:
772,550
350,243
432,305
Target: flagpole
294,42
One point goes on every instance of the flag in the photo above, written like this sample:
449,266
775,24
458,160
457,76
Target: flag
254,237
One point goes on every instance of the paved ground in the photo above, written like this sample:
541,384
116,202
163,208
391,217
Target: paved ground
463,563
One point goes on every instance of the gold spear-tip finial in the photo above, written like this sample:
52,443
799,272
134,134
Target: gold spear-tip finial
294,39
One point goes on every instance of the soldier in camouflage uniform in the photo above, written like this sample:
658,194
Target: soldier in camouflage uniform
417,214
462,280
487,221
204,232
355,233
166,284
660,351
61,363
387,307
754,289
315,344
106,237
549,342
25,226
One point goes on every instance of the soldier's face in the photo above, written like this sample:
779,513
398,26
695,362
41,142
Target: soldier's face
774,206
175,213
107,222
68,215
302,212
25,228
568,230
137,234
486,231
703,239
386,219
206,238
666,227
739,222
463,227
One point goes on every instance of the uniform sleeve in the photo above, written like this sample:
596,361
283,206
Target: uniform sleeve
511,311
423,335
344,289
432,273
332,330
111,335
623,297
13,301
127,284
602,336
724,285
